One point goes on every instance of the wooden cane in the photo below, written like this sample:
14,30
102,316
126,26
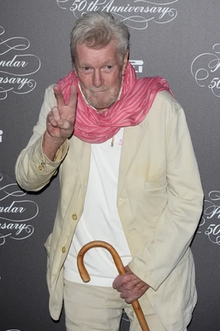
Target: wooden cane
86,278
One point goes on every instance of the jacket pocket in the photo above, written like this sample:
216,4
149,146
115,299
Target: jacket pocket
159,183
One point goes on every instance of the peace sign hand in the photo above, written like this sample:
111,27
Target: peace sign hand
60,122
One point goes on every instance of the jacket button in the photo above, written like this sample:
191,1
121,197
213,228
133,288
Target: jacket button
63,249
74,217
40,168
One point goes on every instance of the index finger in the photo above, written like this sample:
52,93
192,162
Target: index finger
73,96
59,96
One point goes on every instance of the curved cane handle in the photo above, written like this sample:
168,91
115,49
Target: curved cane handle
120,267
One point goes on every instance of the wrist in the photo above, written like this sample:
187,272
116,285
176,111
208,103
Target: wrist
51,144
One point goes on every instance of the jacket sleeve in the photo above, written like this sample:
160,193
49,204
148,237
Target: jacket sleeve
33,170
180,214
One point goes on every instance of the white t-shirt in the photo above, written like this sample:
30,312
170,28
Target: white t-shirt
100,219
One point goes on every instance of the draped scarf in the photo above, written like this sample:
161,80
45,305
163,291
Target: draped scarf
137,96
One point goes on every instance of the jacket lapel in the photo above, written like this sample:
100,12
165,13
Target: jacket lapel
131,142
83,152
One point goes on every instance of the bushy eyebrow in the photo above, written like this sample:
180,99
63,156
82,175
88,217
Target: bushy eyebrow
110,61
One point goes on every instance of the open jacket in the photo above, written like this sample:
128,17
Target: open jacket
159,201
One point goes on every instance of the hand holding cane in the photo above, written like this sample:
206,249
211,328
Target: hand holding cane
119,265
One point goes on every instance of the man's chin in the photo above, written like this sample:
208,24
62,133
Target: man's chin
101,105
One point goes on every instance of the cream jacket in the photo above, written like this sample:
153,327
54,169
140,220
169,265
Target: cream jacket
159,202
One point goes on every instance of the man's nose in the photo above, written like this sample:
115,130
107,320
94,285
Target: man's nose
97,78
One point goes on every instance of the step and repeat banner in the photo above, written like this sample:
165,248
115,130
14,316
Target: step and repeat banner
179,40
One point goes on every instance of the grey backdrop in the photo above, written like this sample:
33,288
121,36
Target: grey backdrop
178,40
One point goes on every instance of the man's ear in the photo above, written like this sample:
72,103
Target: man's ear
125,62
75,71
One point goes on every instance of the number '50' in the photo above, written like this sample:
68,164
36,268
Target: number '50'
213,229
215,83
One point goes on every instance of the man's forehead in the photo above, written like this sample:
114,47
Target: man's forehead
105,54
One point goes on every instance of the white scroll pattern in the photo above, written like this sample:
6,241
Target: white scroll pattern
205,69
136,14
16,66
15,213
210,222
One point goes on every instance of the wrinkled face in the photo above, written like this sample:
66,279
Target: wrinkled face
100,74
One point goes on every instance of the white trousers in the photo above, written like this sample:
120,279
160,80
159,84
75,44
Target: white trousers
93,308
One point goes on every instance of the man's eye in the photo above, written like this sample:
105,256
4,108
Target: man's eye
86,68
108,67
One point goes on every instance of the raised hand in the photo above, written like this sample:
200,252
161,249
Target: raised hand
60,122
130,286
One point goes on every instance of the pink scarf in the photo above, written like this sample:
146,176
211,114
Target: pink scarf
135,101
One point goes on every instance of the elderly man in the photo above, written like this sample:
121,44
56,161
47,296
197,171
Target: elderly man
128,176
